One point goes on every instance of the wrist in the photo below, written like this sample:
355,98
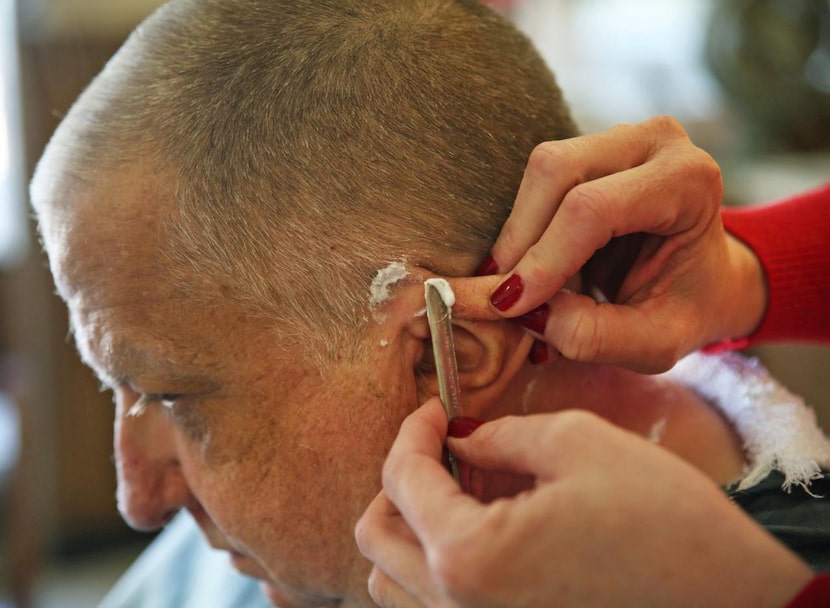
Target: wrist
747,289
790,240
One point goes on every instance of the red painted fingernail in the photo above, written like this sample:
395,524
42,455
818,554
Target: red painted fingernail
508,293
536,319
538,353
463,426
487,267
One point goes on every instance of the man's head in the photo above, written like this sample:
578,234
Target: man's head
299,144
216,207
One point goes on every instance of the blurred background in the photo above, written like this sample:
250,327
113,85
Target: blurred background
749,79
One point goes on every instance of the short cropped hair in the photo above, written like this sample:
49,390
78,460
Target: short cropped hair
311,142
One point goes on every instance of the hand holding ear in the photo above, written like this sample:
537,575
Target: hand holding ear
634,211
603,525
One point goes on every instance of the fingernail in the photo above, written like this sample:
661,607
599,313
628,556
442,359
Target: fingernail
536,320
487,267
539,353
507,293
463,426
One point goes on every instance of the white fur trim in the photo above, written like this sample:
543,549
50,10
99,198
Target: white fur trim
779,431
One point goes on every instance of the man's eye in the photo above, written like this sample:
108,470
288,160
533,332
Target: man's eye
167,400
184,414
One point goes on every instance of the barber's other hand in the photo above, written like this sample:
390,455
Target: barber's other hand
613,520
676,280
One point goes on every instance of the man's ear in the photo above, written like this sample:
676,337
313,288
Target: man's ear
489,354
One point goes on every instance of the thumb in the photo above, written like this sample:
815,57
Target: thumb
647,337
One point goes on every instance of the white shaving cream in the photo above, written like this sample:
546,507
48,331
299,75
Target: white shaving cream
444,290
383,280
379,290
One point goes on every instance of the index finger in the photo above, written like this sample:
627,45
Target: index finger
556,167
646,199
415,480
472,297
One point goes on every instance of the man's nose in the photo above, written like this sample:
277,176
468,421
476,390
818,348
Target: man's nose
151,486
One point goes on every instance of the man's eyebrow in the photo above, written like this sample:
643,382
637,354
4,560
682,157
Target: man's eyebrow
125,363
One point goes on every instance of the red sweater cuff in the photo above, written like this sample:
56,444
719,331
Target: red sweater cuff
816,594
792,240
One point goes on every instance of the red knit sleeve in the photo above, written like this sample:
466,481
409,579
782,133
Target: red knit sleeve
816,594
792,240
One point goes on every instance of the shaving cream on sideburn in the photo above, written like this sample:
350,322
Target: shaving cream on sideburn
379,290
383,280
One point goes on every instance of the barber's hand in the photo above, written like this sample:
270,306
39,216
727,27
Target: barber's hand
613,520
676,280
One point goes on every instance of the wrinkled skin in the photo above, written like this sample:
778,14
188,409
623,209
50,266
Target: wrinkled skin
274,458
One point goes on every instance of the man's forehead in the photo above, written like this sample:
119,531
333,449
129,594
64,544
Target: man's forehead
101,237
131,201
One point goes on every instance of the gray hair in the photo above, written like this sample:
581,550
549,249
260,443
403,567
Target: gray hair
311,142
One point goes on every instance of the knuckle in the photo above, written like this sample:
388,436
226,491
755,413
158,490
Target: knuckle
621,127
668,126
392,470
703,166
660,361
675,349
378,587
660,356
555,160
712,176
701,170
545,159
587,205
363,534
574,423
668,354
395,469
581,339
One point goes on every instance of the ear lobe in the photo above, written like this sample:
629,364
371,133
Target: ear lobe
489,353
